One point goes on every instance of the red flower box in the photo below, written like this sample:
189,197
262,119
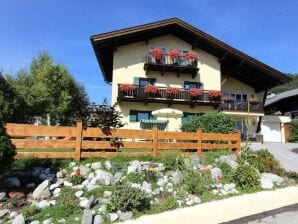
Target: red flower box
214,93
191,55
172,90
174,53
157,53
194,92
127,87
151,89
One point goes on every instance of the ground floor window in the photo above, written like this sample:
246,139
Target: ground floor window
187,116
241,126
136,115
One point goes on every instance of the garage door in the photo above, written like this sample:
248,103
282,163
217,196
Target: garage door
271,132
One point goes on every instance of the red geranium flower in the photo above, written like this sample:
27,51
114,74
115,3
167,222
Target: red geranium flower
191,55
157,53
127,87
214,93
151,89
194,92
172,90
174,53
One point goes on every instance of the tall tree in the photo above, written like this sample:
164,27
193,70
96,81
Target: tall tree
49,90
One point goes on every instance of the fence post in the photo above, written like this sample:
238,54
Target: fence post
199,148
238,142
154,140
79,130
230,141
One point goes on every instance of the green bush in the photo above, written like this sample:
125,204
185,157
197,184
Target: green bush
7,149
293,131
212,122
76,179
264,161
29,213
197,183
127,198
246,177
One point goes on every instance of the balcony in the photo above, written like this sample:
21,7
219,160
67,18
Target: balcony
166,64
242,106
162,96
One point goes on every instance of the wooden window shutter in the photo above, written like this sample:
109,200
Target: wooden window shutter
132,115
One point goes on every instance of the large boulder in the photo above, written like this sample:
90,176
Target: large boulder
135,166
268,180
42,191
177,177
230,160
18,219
12,182
216,173
103,177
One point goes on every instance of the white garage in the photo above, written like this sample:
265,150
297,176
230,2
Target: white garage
272,128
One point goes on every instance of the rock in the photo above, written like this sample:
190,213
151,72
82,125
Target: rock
189,202
84,170
43,204
72,164
31,186
35,222
107,194
161,182
266,184
146,187
87,217
49,176
216,173
135,166
98,219
96,165
113,217
47,221
19,219
103,177
57,191
12,182
61,221
59,175
79,194
36,171
52,202
230,160
16,195
156,191
2,196
108,165
67,183
117,177
3,212
277,180
91,202
204,170
156,168
13,214
53,186
125,216
84,203
177,177
195,161
42,191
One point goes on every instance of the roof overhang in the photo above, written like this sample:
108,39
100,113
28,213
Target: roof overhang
233,62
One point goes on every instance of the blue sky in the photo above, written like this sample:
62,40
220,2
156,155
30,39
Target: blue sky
264,29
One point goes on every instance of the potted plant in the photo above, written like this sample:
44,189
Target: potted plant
157,54
175,55
192,57
194,93
127,88
172,92
151,90
214,94
253,100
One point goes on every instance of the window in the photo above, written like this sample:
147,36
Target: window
187,116
241,126
236,96
135,115
142,82
189,85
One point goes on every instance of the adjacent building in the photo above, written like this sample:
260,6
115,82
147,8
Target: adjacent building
171,64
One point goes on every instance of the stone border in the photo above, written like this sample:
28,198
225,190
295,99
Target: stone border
225,210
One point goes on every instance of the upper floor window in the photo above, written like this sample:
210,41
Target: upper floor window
189,85
236,96
142,82
136,115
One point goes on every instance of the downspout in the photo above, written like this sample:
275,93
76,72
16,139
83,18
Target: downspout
260,118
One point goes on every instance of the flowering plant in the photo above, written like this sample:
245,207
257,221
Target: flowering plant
214,93
253,100
127,87
191,55
172,90
174,53
151,89
194,92
157,53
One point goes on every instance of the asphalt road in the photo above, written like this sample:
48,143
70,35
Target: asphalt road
286,153
285,215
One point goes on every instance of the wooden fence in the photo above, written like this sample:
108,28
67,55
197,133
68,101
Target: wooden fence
94,142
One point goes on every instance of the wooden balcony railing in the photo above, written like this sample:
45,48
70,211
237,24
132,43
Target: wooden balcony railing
183,97
242,106
166,64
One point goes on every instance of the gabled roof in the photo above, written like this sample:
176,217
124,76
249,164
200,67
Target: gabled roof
282,96
233,62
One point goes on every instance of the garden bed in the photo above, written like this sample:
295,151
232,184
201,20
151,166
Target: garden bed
121,188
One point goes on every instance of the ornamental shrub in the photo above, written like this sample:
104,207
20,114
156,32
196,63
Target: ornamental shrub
7,149
77,179
246,177
127,198
212,122
197,183
293,131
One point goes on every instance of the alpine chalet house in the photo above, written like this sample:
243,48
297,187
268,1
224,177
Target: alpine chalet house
171,64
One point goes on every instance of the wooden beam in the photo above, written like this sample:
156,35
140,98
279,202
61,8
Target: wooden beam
225,79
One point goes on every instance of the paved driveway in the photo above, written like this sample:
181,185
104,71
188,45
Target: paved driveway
286,153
